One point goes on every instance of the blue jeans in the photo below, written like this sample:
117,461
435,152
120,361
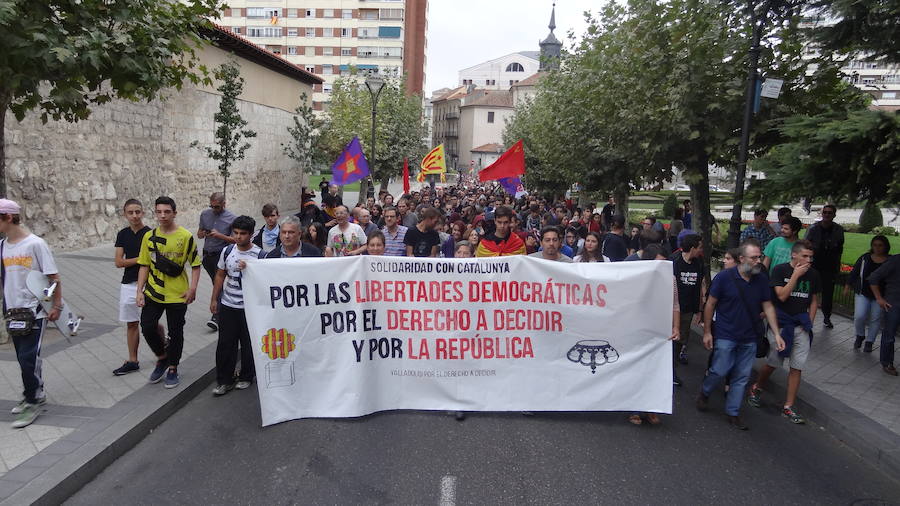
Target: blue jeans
28,353
735,360
891,323
866,311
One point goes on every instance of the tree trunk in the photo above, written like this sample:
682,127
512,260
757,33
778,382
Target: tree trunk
4,106
384,184
702,221
225,186
363,190
621,195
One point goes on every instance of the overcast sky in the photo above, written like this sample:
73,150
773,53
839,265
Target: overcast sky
462,33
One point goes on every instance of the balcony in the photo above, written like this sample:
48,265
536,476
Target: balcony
452,133
452,115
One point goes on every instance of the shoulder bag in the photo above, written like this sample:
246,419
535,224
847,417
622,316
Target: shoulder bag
762,342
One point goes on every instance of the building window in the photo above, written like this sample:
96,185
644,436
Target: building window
346,51
263,31
391,14
346,32
310,13
328,51
515,67
328,32
326,88
292,50
490,82
368,14
310,32
345,71
889,95
368,33
310,51
236,29
262,12
389,32
293,13
490,116
311,69
292,32
328,13
274,49
347,13
326,70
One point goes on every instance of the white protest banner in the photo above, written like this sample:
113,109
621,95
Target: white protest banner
343,337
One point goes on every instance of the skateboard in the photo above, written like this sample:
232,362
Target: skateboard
40,287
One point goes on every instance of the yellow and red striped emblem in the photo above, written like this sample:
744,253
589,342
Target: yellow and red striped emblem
278,343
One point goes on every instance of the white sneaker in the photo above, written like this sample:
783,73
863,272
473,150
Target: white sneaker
28,415
20,407
222,389
243,385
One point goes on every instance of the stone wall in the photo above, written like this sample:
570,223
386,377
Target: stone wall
72,178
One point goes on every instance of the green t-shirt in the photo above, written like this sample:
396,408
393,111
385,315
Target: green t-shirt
179,246
779,250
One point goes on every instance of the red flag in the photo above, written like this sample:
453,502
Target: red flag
510,164
405,176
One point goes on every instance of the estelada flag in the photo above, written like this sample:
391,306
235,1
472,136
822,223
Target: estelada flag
510,164
433,163
351,165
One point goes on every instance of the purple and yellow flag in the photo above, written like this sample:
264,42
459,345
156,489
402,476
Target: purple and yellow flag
351,165
513,186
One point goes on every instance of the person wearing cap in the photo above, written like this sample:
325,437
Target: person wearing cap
21,253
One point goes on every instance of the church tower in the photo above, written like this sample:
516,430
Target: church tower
551,47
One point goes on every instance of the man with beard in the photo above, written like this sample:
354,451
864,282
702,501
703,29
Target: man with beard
737,296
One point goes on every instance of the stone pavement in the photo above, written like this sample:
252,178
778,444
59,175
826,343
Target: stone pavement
852,376
92,417
83,395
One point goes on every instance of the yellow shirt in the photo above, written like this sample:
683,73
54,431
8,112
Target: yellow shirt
179,246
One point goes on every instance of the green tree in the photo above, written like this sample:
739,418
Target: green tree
399,130
230,135
305,132
63,56
655,86
871,27
841,157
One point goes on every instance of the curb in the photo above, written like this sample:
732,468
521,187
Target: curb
100,442
873,442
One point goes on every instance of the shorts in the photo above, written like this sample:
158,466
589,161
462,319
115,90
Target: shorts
799,351
128,310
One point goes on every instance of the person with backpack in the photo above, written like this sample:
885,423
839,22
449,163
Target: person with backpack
233,332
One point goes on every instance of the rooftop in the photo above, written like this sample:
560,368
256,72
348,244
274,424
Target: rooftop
491,147
224,39
490,99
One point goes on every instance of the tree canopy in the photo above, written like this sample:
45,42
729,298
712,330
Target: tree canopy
399,131
63,56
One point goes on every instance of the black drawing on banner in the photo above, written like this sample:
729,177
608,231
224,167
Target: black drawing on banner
280,373
592,352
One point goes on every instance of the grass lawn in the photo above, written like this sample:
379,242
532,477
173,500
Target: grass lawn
857,244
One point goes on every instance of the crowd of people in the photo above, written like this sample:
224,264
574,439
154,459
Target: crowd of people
772,274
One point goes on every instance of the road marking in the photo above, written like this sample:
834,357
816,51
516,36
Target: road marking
448,490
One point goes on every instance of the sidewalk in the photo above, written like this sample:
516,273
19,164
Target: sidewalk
92,417
87,407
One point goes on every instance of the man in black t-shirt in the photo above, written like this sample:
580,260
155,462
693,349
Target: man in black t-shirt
423,240
607,213
688,269
614,245
795,286
128,246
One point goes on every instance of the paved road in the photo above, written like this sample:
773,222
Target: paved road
214,452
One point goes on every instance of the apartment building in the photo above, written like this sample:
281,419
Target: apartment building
331,37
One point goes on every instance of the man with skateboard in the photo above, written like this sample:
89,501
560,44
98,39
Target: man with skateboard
162,287
21,253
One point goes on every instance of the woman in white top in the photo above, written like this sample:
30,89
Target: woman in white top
591,250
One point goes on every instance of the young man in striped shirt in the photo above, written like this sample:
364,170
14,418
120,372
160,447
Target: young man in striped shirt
233,322
394,233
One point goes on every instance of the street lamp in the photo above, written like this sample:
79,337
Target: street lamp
374,83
